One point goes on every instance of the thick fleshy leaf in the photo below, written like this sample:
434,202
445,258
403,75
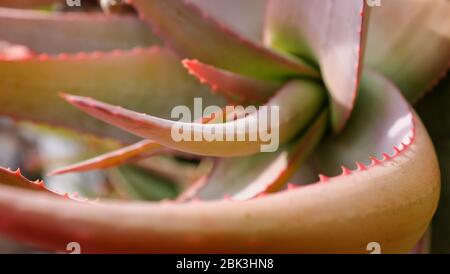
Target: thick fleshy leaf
142,149
151,80
391,203
296,104
196,36
72,32
236,88
328,32
113,158
382,125
415,53
247,177
17,180
244,17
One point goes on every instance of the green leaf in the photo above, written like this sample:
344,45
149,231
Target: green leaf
330,33
72,32
151,80
297,102
409,42
196,36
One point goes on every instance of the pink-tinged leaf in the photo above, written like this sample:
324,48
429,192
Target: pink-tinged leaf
296,104
142,149
196,36
17,180
247,177
151,80
392,202
244,17
381,127
236,88
72,32
415,53
25,4
328,32
114,158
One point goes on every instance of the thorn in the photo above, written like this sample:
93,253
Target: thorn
323,178
374,160
345,170
397,150
17,172
386,156
360,166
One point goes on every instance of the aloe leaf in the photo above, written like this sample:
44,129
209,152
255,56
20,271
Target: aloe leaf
151,80
244,178
297,102
244,17
72,32
145,148
405,191
416,52
196,36
381,127
236,88
330,33
113,158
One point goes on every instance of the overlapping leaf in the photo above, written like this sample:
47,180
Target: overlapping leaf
297,102
330,33
198,37
151,80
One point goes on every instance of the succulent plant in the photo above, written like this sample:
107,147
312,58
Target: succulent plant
355,163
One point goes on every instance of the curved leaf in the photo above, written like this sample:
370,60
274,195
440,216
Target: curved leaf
196,36
113,158
72,32
391,203
381,127
150,80
247,177
297,102
416,52
234,87
328,32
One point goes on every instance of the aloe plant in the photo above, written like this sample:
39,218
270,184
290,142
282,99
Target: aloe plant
355,165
